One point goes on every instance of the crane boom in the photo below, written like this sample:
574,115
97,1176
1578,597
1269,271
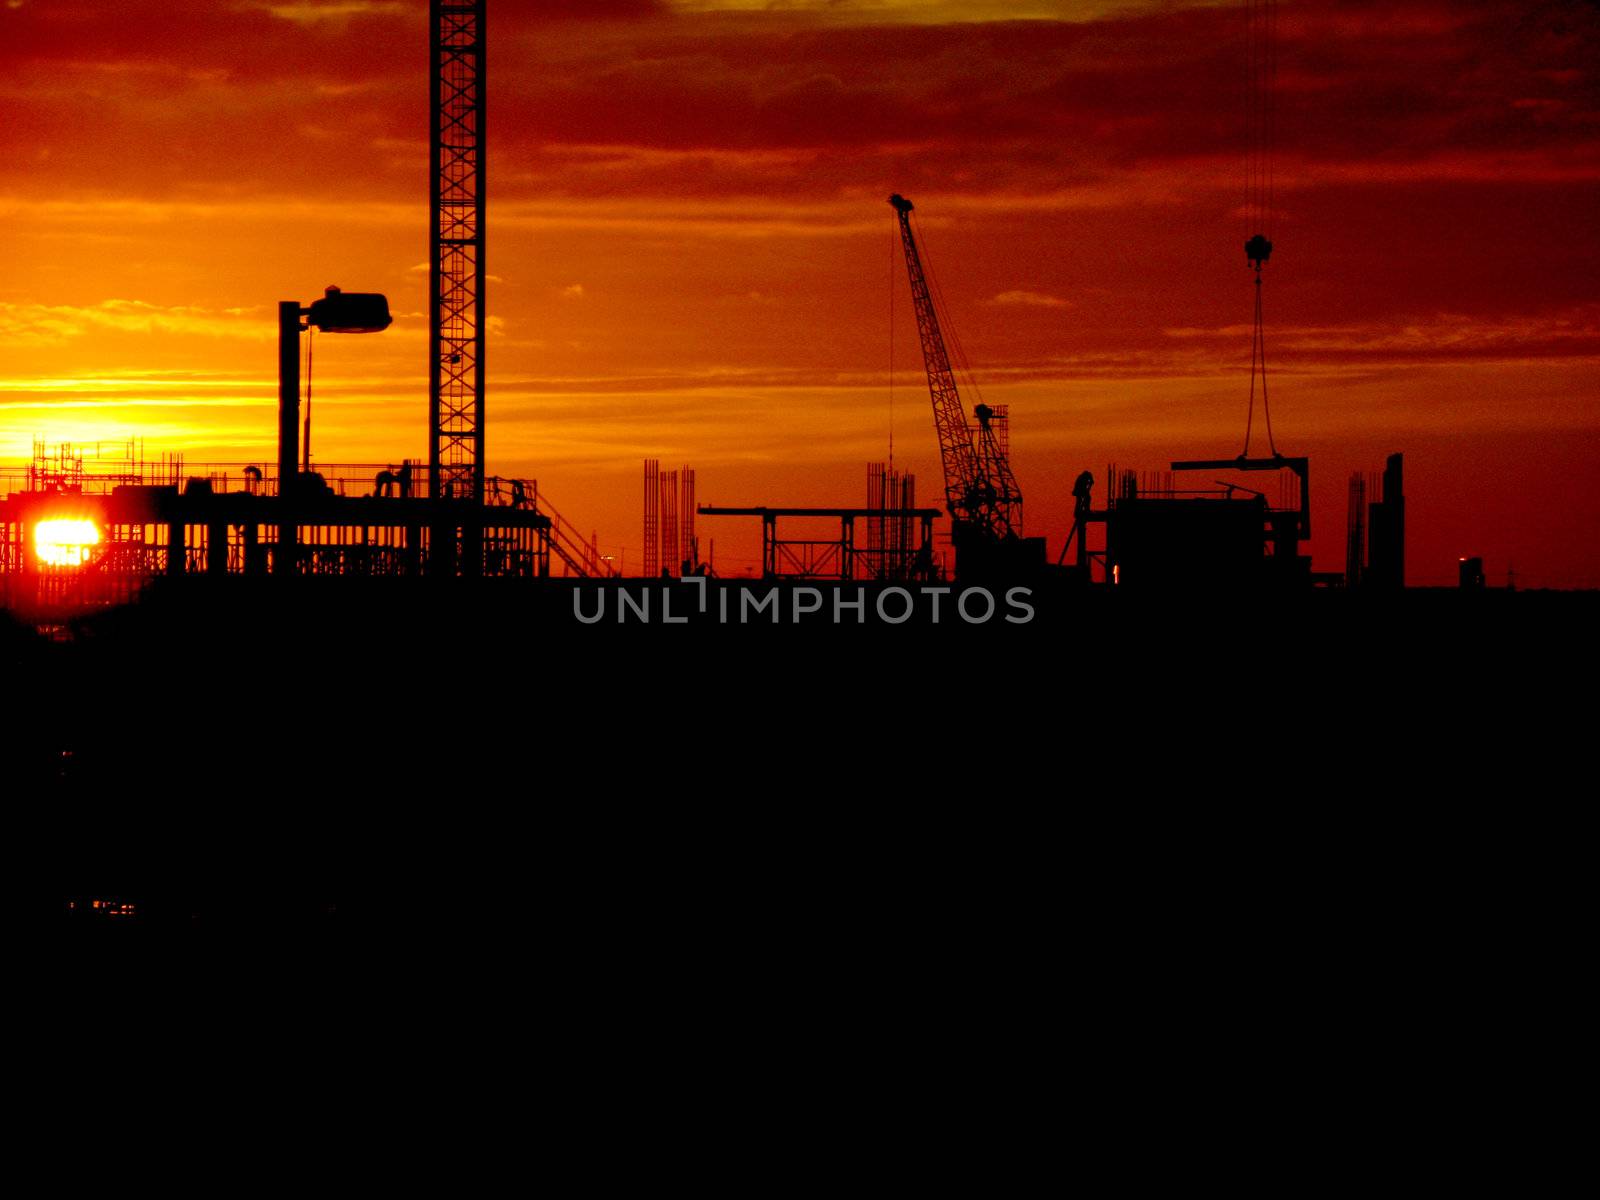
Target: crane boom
980,491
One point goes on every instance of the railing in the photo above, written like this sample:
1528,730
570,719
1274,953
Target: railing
133,552
582,557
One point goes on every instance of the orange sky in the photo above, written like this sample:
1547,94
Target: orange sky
690,245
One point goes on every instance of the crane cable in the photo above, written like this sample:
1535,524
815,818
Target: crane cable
1261,68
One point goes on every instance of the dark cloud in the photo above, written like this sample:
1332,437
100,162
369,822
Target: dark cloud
244,40
1357,82
1400,190
185,95
586,10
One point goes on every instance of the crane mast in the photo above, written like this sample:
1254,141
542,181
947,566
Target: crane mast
980,491
456,325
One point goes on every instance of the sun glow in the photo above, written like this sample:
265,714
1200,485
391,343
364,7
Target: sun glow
65,541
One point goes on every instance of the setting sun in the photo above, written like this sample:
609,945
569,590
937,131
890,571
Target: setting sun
65,541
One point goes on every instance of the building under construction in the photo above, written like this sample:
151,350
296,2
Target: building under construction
84,526
81,526
1216,534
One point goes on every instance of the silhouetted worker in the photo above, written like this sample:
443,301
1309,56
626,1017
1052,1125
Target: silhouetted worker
1081,491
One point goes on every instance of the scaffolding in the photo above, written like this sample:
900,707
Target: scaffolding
160,518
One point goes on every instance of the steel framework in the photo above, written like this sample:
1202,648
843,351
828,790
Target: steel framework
688,546
455,448
670,564
891,548
834,558
652,517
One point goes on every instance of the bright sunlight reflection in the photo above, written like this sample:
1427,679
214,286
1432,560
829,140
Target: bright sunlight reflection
65,541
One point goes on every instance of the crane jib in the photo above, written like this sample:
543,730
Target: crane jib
980,491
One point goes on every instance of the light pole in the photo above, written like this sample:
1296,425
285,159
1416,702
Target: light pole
336,312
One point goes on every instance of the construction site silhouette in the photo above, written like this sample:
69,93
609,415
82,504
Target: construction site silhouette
396,696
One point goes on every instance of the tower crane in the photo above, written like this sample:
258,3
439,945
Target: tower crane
981,493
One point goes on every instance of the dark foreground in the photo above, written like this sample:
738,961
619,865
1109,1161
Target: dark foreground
1239,888
455,758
